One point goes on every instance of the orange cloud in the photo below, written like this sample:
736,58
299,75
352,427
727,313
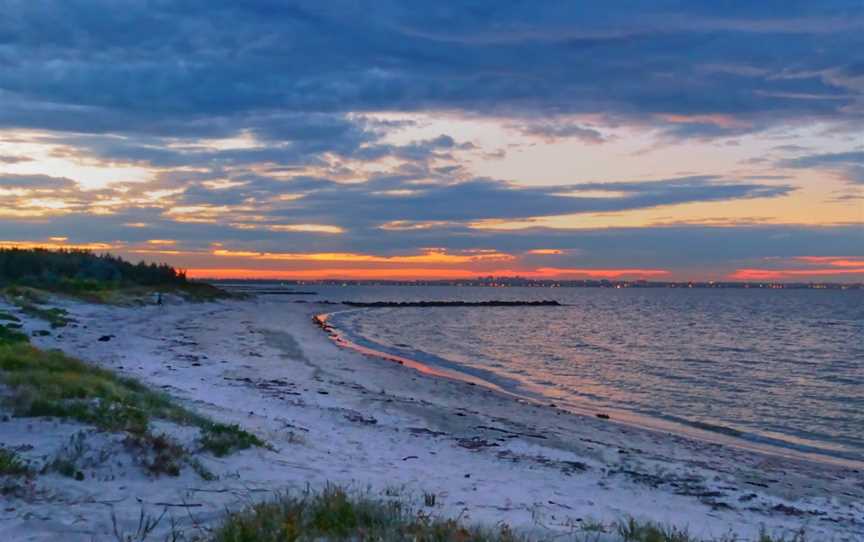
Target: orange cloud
432,256
780,274
159,251
834,261
55,245
312,228
545,251
332,273
572,272
725,121
416,273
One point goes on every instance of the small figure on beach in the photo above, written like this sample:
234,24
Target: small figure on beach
159,298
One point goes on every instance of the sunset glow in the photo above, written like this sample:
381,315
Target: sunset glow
728,150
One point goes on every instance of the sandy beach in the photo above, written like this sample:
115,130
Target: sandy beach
333,415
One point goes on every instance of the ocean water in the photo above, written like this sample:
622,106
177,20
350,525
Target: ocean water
777,367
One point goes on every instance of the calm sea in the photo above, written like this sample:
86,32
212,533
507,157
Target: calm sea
778,367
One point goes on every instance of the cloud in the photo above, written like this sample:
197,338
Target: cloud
393,199
849,165
802,275
216,67
269,126
7,159
551,131
35,182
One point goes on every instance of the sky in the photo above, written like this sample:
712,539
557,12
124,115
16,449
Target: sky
665,140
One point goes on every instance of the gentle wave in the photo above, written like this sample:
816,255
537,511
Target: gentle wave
758,366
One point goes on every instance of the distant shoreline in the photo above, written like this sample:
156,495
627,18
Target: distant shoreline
517,282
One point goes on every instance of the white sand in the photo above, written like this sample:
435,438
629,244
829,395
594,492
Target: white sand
333,415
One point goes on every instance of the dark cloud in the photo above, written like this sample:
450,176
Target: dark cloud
208,67
35,182
408,197
562,130
703,250
256,202
850,165
13,159
151,83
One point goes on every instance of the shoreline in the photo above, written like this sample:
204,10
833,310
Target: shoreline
707,433
333,416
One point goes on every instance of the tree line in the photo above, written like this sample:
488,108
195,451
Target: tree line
43,267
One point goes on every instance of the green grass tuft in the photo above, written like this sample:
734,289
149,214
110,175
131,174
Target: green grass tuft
634,531
29,299
11,464
52,384
6,317
335,515
221,439
159,454
9,335
49,383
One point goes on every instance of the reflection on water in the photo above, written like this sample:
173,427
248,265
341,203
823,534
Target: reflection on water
778,365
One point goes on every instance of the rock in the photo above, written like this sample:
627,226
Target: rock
356,417
475,443
105,338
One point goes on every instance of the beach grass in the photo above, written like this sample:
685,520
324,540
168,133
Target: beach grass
336,514
6,317
50,383
221,439
11,464
29,301
9,335
44,383
333,514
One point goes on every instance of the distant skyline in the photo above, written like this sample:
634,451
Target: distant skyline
409,140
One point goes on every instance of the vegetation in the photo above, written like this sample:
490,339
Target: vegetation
28,300
73,269
50,383
67,460
94,277
159,454
11,464
333,515
221,440
6,317
10,335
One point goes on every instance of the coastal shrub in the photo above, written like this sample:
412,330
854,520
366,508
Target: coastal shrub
9,335
634,531
28,300
11,464
221,439
80,269
67,462
28,274
159,454
333,514
6,317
